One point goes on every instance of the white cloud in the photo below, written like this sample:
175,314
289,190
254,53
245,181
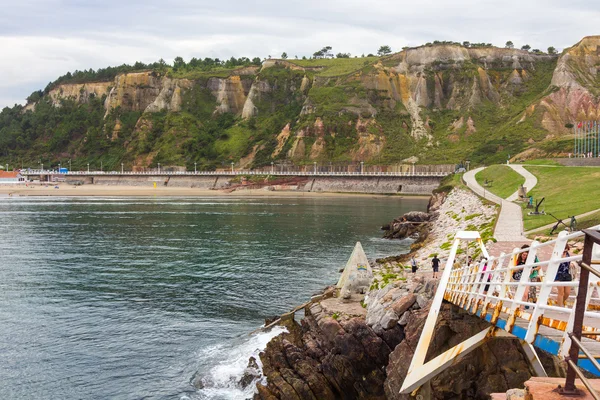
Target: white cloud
43,39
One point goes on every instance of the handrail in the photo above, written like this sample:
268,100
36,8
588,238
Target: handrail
592,238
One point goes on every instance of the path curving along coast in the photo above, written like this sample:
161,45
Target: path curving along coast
509,227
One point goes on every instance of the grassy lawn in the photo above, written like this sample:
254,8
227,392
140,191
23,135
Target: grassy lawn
583,223
568,191
336,66
505,180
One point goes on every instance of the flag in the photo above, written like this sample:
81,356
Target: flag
579,124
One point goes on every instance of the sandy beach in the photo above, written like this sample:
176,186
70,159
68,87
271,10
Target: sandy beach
101,190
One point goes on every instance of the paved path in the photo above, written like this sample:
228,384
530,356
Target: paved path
509,227
530,180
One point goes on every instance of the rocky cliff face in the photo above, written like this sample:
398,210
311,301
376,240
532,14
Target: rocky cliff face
435,102
338,356
576,87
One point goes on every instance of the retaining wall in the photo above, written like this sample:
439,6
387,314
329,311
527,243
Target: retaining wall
374,184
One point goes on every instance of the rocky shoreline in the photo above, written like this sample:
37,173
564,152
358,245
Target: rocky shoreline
365,354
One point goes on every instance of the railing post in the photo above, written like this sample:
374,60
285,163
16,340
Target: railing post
580,307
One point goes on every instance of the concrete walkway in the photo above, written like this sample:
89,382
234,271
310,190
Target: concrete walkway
530,180
509,227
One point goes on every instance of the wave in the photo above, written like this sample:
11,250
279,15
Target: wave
226,365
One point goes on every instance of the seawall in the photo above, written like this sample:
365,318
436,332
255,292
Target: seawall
413,185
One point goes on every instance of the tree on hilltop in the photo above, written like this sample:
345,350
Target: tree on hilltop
284,55
551,50
383,50
466,44
510,45
526,47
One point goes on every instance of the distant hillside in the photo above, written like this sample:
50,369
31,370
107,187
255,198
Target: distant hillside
435,103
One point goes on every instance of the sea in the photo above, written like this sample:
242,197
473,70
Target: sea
140,297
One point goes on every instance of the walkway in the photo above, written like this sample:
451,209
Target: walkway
530,180
489,290
509,227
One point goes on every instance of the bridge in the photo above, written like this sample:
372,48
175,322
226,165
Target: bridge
519,308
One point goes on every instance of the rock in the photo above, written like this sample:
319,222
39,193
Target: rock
422,301
403,304
389,320
251,373
494,367
404,318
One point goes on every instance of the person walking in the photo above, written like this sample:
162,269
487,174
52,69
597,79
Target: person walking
435,264
413,264
563,274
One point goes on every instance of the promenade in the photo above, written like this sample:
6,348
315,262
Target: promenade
509,227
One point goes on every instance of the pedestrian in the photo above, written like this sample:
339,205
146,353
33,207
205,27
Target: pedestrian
413,264
435,264
563,274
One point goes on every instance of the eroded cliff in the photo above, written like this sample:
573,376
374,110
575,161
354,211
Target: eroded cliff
439,103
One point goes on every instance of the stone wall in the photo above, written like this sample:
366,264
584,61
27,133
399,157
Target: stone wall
580,162
380,185
375,184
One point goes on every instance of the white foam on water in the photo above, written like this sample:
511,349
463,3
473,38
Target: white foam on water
227,366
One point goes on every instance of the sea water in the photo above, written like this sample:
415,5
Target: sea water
131,298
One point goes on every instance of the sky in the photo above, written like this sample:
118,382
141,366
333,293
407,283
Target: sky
43,39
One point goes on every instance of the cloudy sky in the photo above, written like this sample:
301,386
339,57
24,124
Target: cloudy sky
42,39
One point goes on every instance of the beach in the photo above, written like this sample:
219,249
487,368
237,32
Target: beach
62,189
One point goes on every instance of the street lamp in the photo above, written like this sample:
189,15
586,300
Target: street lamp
159,168
59,168
101,166
272,168
232,167
42,166
195,171
121,168
315,167
362,166
69,164
88,168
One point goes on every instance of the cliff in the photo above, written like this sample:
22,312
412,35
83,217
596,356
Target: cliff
434,103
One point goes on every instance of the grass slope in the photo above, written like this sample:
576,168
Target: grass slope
568,191
505,181
336,66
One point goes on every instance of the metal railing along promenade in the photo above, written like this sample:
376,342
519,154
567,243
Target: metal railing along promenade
517,306
234,173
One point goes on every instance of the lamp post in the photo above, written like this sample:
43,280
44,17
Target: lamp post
195,171
59,168
232,167
121,168
101,166
159,168
315,167
42,164
362,166
272,168
69,164
88,168
413,168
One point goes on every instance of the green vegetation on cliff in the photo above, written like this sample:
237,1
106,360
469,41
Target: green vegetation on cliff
209,112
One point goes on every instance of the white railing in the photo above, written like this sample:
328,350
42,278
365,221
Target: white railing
518,306
234,173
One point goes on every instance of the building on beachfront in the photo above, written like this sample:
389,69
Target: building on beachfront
11,177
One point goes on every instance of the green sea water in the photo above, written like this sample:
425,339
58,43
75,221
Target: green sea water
133,298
